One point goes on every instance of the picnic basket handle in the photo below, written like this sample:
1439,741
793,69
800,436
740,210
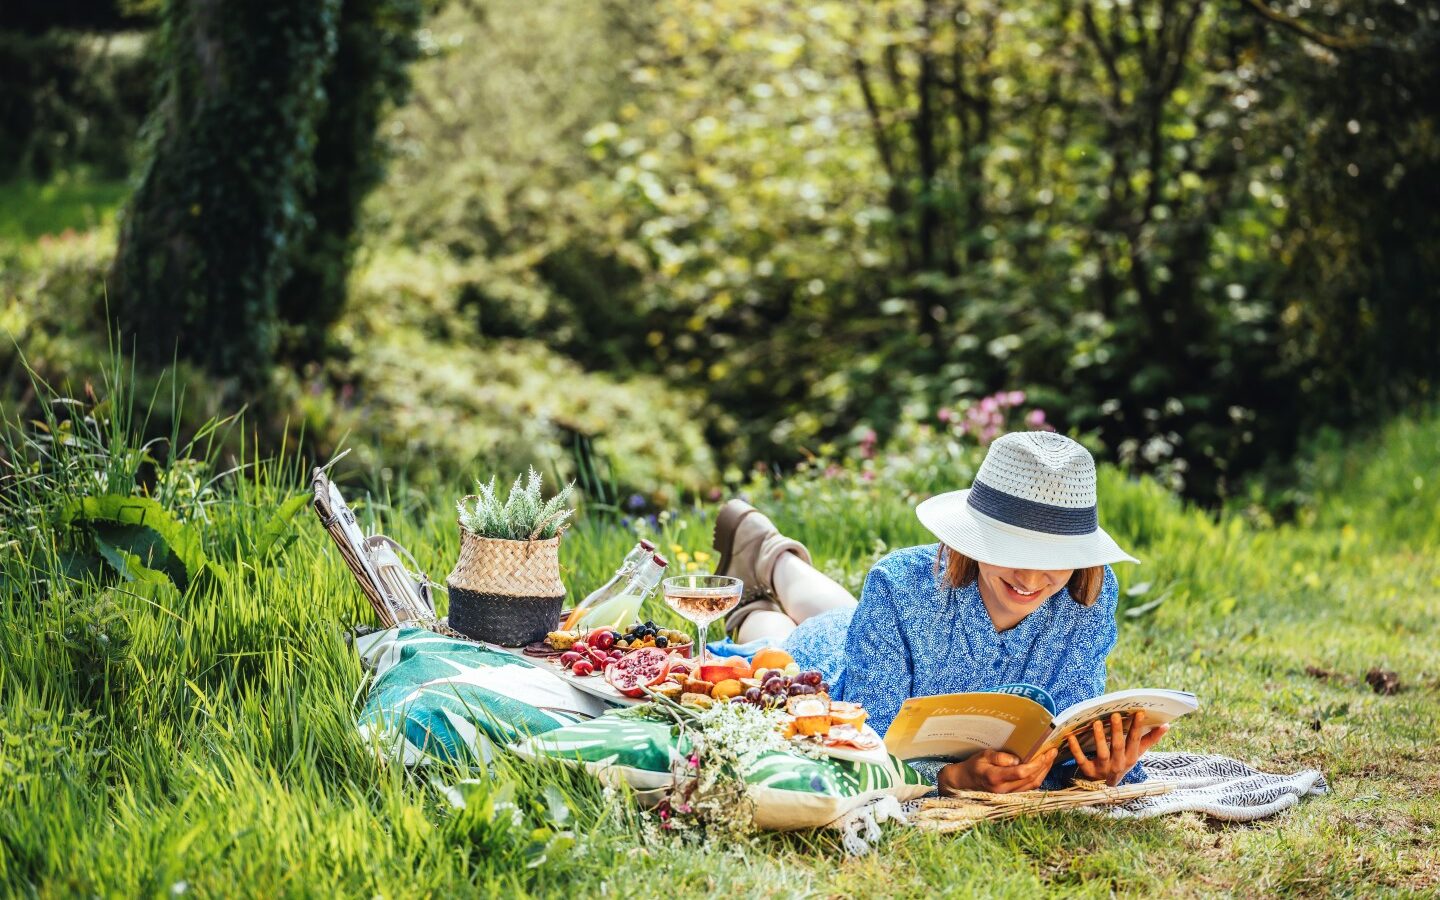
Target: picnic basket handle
401,552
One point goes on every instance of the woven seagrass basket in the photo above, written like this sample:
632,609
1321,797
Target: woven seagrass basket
506,592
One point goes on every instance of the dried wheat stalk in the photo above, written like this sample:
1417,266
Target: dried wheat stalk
964,809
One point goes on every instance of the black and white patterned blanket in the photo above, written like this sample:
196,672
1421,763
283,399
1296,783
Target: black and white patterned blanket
1218,786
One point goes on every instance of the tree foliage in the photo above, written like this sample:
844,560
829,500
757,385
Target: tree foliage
69,100
1195,229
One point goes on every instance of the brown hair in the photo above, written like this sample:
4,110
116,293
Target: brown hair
960,570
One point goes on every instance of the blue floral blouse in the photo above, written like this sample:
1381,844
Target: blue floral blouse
913,636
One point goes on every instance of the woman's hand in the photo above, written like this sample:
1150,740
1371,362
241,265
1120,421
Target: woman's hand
1114,758
997,772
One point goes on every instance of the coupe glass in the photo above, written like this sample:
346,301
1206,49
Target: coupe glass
702,599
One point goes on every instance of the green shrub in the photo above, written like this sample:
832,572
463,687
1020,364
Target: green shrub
72,100
411,387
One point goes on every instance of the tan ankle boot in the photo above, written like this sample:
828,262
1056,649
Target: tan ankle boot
750,545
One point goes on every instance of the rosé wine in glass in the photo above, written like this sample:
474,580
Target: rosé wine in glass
702,599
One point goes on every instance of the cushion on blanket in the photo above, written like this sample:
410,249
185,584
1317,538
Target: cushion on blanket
790,791
442,699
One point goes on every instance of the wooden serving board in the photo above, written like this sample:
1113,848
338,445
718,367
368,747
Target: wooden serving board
594,685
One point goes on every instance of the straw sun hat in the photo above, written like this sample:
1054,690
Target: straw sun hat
1032,506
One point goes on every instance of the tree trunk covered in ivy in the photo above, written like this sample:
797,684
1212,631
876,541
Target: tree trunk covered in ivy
369,74
260,152
206,240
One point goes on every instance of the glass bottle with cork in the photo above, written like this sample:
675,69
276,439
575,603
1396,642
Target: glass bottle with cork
623,608
612,588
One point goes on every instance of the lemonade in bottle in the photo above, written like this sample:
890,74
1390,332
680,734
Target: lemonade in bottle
624,607
612,588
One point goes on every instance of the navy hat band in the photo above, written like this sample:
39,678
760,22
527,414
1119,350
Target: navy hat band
1031,515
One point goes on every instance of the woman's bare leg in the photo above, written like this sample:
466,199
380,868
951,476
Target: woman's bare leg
764,623
803,591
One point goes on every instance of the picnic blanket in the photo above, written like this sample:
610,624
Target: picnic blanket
1218,786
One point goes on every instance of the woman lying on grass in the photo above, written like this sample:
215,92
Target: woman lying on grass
1017,591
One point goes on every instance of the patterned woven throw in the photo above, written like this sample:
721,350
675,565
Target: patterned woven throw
1218,786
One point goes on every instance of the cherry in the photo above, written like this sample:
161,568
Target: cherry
584,667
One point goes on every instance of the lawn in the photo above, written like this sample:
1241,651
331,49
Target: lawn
156,741
76,202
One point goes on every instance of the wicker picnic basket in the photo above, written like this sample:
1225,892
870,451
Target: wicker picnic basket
399,593
506,592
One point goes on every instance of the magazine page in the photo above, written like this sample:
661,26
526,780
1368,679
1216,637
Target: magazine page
953,726
1159,705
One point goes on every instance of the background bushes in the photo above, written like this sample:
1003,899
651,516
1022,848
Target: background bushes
72,99
1199,235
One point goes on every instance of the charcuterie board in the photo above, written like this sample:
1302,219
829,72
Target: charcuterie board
594,685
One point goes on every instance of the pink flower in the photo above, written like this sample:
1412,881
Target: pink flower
867,443
1035,418
988,434
945,415
833,471
989,405
1015,398
867,475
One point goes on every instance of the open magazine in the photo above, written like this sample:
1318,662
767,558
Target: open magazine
1019,719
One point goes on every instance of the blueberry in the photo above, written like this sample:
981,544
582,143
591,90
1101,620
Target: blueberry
662,641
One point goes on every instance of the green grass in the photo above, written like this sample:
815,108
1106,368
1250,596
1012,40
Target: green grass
32,209
156,742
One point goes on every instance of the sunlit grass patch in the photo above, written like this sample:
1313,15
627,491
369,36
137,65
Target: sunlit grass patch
30,210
